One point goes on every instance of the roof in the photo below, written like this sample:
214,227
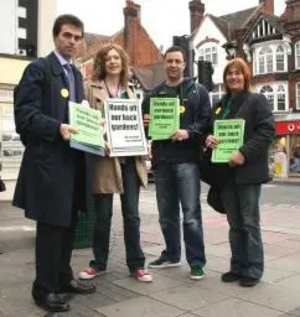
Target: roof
92,38
273,20
234,21
150,76
90,44
239,19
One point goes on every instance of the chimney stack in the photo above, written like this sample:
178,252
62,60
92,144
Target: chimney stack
268,6
292,10
132,16
197,9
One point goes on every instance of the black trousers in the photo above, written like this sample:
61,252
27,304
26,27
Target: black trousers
53,253
54,244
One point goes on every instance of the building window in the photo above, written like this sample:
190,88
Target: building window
22,12
281,98
271,58
277,96
269,93
265,60
297,54
209,54
280,58
216,94
298,96
22,33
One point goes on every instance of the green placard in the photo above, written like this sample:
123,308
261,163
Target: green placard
88,122
230,135
164,114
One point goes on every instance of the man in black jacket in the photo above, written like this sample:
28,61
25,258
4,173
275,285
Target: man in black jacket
175,162
51,183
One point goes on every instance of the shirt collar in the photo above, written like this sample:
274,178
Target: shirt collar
61,59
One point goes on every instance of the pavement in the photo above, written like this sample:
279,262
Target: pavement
172,293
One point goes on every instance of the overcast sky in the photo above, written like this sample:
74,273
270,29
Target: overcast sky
161,18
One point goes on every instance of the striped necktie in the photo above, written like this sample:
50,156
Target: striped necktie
71,80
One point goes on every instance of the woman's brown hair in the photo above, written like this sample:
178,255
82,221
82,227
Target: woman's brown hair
99,63
240,64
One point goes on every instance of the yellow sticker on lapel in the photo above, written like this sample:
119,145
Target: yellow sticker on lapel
182,109
218,110
64,93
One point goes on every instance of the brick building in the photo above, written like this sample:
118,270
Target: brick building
271,46
145,58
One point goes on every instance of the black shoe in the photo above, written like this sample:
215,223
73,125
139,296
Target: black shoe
248,281
161,264
78,287
230,277
52,302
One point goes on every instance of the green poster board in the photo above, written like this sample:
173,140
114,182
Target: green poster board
88,122
230,135
164,114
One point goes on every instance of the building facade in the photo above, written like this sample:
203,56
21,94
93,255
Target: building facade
271,46
28,25
145,57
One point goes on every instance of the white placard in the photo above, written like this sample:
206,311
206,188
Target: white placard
125,129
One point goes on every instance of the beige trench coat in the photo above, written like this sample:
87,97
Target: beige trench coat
107,174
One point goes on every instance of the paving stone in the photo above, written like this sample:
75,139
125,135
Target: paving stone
140,307
270,296
289,262
188,297
218,264
213,282
233,307
172,293
291,283
154,250
294,313
272,276
222,249
160,283
16,301
276,251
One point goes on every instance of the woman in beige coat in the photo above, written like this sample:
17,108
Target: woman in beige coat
115,175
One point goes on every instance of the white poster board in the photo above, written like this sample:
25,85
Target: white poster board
125,128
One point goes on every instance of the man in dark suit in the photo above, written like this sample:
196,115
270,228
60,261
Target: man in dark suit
52,181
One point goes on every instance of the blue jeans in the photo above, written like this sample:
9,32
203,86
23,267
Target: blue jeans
135,258
179,183
296,165
241,203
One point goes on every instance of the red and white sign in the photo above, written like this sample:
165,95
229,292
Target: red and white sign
287,127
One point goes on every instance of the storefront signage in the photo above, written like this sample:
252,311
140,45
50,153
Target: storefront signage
288,127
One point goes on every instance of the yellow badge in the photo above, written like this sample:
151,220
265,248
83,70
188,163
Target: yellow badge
182,109
64,93
218,110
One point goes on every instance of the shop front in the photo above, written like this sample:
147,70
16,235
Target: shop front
285,155
11,148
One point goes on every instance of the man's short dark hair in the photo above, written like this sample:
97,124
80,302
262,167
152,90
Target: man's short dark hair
176,48
66,19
